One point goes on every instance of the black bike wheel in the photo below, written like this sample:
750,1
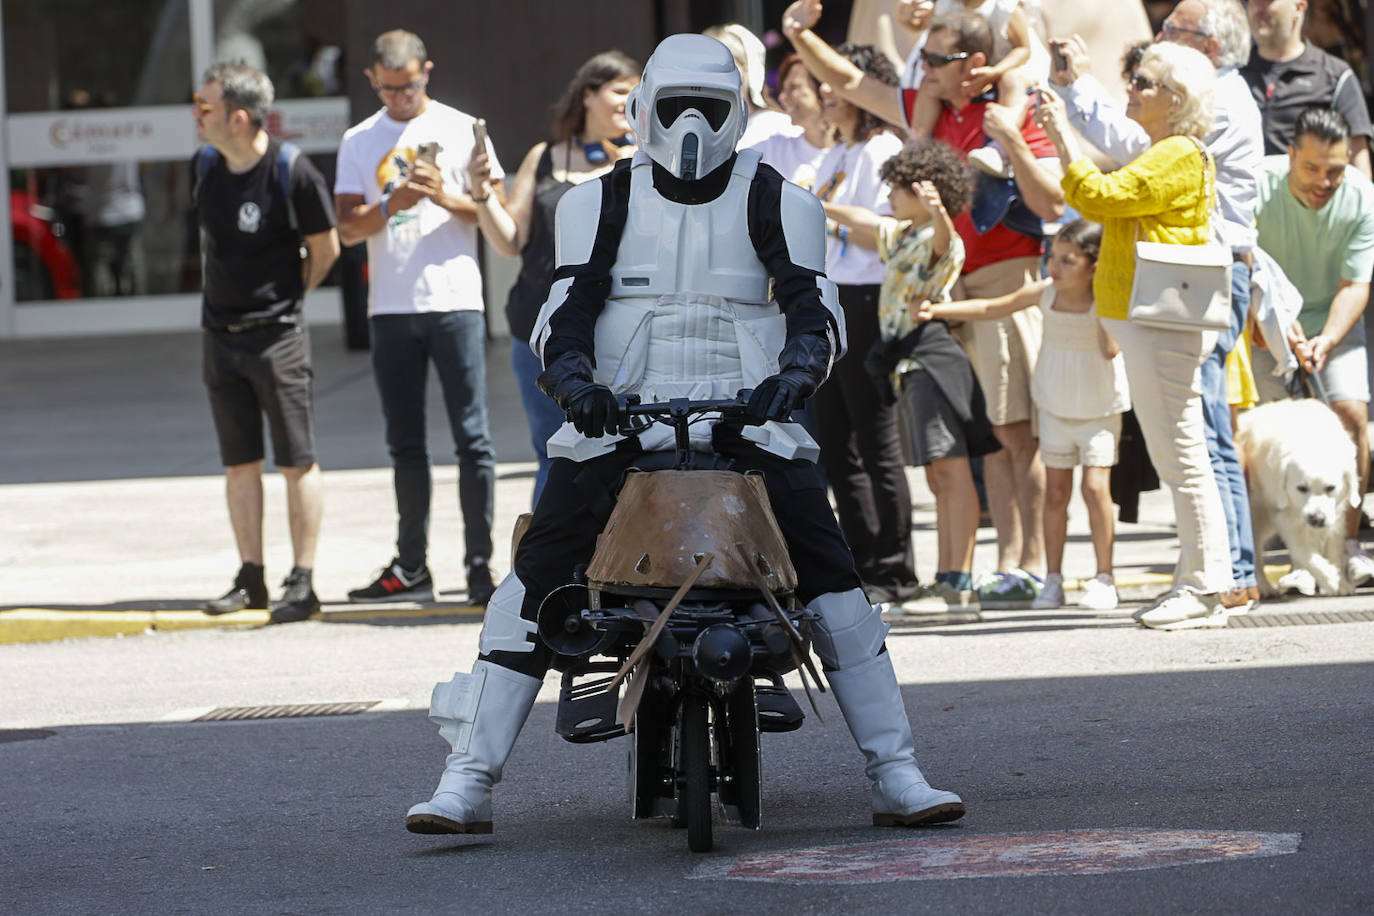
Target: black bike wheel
744,765
695,742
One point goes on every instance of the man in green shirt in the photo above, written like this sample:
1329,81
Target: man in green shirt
1316,219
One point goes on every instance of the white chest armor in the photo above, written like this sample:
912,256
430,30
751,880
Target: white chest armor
668,248
689,314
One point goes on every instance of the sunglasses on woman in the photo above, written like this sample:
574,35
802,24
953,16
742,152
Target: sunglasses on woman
1141,83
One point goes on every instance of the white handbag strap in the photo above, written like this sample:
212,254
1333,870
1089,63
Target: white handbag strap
1209,191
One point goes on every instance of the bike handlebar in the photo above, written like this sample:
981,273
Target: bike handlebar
630,406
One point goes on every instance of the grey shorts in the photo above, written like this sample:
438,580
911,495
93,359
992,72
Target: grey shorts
1345,377
928,426
261,371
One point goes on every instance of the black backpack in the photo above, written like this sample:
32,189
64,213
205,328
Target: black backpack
287,154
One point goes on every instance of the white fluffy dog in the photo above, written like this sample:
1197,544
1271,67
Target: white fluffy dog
1300,468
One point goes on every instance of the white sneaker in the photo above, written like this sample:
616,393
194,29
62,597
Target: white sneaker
1359,566
1297,580
1051,593
1185,610
936,598
989,159
1099,594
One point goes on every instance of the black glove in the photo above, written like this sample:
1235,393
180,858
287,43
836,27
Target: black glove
804,362
777,396
591,407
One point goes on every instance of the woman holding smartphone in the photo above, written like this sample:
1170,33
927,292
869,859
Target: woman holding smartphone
589,134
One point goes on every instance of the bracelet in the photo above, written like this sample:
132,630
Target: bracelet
481,200
382,203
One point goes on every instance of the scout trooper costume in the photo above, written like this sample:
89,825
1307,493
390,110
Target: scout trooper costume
663,289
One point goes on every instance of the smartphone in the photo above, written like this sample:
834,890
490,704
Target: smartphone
479,132
427,152
1060,61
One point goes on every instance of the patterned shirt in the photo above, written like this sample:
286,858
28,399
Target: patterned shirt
912,273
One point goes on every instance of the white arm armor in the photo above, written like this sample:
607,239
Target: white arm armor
575,225
803,223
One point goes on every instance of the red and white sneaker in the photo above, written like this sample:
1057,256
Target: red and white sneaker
396,584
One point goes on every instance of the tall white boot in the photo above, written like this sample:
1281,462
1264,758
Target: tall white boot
479,714
871,702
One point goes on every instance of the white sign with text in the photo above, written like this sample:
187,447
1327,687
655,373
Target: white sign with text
156,133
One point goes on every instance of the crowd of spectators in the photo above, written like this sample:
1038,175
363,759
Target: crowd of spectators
984,339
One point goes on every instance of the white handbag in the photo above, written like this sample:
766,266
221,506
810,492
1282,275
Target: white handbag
1182,287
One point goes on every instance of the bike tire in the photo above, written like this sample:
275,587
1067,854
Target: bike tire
695,742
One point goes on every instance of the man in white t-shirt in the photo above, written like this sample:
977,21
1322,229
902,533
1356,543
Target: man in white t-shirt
402,188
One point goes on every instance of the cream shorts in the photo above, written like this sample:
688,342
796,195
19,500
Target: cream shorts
1003,351
1065,444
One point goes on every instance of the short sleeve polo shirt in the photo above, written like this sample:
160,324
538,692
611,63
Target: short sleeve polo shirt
1282,89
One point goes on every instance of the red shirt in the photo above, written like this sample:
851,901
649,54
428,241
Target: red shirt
962,128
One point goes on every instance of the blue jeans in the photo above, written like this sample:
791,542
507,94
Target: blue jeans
402,348
1221,447
541,413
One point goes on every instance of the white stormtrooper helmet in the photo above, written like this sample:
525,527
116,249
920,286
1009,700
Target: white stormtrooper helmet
688,112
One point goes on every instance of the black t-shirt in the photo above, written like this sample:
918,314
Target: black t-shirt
252,255
1283,90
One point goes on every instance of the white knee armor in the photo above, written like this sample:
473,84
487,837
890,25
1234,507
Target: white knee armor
503,629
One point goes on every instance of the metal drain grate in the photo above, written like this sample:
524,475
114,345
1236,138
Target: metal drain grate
1306,618
287,711
25,734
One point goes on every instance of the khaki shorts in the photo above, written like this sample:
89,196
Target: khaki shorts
1003,352
1065,443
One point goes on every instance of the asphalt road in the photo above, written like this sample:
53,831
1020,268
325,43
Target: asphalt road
1107,768
1055,727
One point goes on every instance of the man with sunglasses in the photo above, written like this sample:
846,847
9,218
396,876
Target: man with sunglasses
1003,254
402,187
1217,29
254,229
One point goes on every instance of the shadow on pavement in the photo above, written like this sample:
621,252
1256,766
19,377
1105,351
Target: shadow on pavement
296,815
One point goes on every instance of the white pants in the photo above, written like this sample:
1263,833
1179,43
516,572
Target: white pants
1164,372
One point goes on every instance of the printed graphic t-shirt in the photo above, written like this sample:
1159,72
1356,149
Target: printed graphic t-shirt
252,255
425,260
849,175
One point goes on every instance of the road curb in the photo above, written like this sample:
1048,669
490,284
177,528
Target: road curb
25,625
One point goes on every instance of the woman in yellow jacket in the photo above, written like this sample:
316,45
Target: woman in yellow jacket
1164,195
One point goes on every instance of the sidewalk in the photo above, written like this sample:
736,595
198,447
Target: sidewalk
112,517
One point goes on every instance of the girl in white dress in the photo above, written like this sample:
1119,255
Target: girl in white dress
1079,389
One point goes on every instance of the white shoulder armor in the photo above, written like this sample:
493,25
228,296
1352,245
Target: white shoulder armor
803,223
577,219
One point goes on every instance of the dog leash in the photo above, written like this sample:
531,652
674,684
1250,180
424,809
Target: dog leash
1313,383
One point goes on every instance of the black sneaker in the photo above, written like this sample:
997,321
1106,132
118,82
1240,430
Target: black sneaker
248,591
298,601
480,586
395,584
